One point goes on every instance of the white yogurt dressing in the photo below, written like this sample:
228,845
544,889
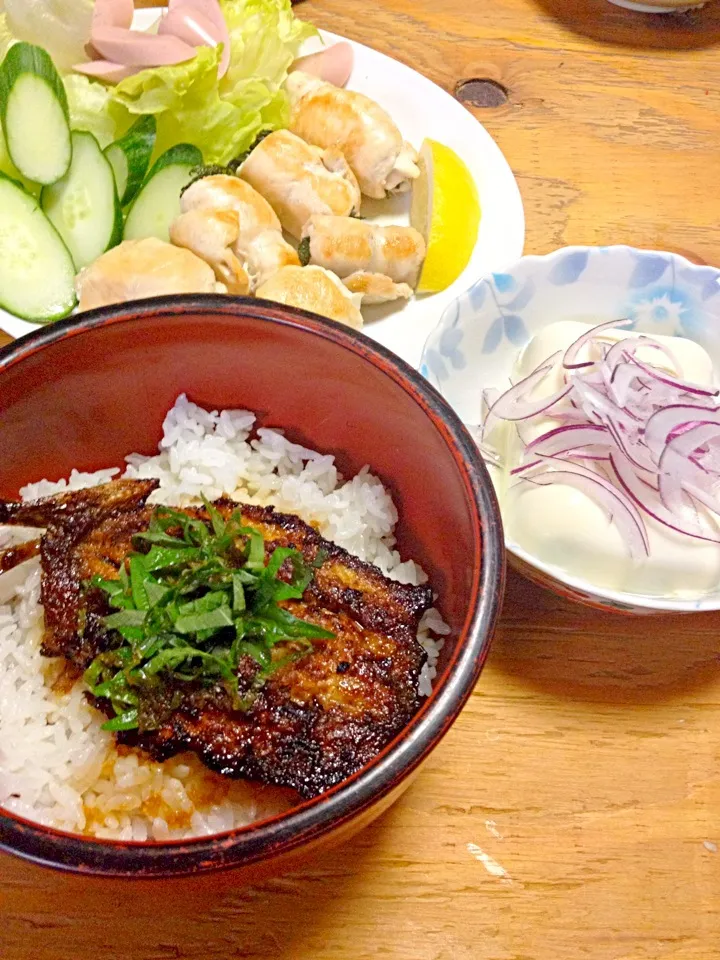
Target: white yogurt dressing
563,527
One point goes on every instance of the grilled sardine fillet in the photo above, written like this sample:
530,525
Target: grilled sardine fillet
299,180
315,289
259,246
347,245
329,116
315,721
87,532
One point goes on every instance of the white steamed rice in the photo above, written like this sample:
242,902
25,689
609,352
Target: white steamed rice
57,766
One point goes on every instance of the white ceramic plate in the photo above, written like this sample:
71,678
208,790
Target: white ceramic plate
421,109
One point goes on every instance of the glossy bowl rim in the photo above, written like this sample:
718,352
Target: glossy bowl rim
280,835
619,600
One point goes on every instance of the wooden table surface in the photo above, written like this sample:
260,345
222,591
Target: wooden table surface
574,810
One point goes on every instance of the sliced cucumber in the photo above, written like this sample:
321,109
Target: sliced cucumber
10,170
36,270
158,203
84,206
34,113
130,157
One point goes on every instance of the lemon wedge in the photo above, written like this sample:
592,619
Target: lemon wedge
446,211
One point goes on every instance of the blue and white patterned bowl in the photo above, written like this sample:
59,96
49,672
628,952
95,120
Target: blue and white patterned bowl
477,340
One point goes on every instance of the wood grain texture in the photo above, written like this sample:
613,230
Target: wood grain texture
573,813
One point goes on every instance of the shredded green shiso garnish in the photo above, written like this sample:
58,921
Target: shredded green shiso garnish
191,602
304,251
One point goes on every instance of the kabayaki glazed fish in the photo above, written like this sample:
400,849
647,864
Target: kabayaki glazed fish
307,714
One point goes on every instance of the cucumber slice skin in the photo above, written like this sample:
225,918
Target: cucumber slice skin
24,61
151,213
136,147
11,171
27,221
181,153
86,153
119,163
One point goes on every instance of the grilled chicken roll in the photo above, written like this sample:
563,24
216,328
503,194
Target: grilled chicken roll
299,180
329,116
315,289
259,246
212,235
376,287
346,245
143,268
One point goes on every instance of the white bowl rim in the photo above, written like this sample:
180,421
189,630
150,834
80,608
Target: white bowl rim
611,598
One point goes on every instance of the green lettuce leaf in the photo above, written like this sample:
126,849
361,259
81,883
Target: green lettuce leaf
223,118
265,37
92,108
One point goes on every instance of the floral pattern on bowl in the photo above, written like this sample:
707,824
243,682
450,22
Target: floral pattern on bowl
477,340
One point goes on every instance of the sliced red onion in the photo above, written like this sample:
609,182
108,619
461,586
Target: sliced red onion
629,443
597,488
488,422
618,352
524,431
490,395
571,437
680,475
571,354
664,423
669,380
670,485
597,403
593,378
708,459
691,440
525,467
620,381
625,350
571,414
703,496
644,499
512,405
647,438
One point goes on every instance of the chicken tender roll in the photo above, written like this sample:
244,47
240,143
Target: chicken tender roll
314,289
299,180
346,245
329,116
259,246
143,268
